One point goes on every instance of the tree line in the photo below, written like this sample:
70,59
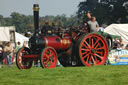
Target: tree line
106,12
24,23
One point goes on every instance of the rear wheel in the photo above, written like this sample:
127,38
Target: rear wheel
93,49
21,62
48,58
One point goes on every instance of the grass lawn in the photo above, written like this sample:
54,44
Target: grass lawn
96,75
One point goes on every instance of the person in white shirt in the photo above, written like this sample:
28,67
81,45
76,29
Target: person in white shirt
93,24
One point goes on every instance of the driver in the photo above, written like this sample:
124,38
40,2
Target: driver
47,29
93,24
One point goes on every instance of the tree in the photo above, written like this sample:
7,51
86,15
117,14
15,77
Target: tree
20,21
85,6
106,11
2,21
118,10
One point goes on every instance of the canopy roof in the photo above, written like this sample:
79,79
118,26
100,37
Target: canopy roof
118,29
20,38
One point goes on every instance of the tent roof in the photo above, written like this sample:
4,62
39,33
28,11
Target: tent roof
20,37
118,29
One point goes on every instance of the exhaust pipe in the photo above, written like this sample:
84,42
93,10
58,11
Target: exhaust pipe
36,18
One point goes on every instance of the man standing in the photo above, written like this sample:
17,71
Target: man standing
9,50
93,24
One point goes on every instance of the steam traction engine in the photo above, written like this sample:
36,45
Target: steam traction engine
73,47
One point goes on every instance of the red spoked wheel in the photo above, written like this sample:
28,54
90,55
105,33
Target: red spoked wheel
48,58
21,62
93,50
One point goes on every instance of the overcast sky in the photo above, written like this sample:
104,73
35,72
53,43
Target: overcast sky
47,7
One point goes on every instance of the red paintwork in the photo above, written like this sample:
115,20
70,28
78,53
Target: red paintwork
57,43
66,43
31,56
74,35
51,42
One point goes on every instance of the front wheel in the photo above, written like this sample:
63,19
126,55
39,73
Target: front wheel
48,58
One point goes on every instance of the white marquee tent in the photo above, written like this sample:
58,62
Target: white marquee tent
4,33
20,38
118,29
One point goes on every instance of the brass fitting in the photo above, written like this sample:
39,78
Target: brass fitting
36,7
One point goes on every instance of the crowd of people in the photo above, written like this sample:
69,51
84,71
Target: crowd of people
7,51
119,44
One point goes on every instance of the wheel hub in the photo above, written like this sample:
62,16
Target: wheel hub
93,51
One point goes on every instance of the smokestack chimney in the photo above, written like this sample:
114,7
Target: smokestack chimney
36,17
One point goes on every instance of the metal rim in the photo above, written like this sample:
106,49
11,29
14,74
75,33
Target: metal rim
93,50
109,42
23,63
48,58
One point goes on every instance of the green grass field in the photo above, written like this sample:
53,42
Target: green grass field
96,75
